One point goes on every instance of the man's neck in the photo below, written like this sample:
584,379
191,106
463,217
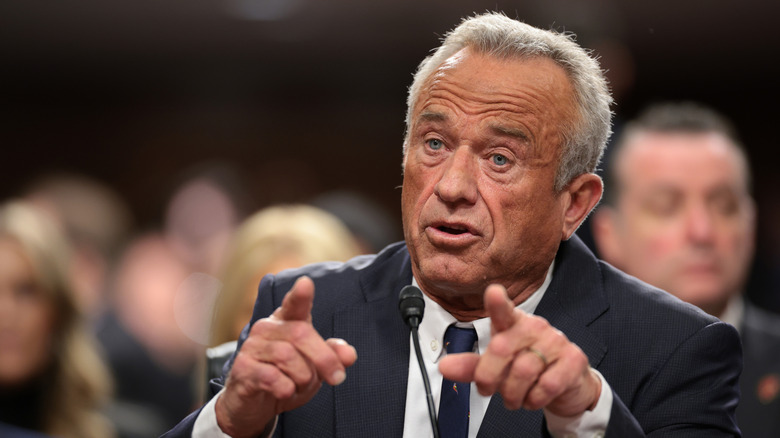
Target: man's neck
467,307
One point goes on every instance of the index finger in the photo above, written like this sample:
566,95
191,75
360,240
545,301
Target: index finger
297,304
499,308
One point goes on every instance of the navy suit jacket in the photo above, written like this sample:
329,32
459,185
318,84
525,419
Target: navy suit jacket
673,369
758,413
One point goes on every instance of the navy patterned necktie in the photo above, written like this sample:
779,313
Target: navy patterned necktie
454,401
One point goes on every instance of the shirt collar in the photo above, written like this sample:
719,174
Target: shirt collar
436,320
734,312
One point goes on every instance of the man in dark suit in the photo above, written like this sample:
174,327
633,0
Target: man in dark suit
10,431
505,126
678,214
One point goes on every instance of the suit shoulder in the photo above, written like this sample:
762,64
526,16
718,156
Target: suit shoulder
342,282
341,270
637,301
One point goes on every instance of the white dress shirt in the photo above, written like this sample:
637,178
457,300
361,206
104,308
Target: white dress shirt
417,423
734,312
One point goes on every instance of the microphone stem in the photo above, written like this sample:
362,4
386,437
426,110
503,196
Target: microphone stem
426,383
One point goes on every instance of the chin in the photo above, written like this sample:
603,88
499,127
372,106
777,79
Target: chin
444,273
703,297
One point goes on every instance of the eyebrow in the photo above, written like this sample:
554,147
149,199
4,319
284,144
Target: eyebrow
431,116
509,132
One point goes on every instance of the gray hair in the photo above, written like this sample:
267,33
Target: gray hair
495,34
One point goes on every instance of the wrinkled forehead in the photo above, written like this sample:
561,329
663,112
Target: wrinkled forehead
545,70
532,93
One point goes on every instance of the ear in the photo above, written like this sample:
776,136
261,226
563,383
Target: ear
579,198
604,228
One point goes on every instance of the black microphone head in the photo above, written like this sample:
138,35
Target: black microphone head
411,305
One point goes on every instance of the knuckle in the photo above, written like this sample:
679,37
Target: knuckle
263,322
581,360
283,352
499,346
240,363
537,324
560,334
298,331
261,327
283,389
483,380
548,387
244,391
326,361
575,357
532,403
560,339
513,398
521,371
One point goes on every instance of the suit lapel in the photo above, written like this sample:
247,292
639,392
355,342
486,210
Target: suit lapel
574,299
371,402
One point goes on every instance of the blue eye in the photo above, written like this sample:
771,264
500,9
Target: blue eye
500,160
435,144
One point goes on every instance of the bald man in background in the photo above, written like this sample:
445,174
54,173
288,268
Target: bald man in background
677,213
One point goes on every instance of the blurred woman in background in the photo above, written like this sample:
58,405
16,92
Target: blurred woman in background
52,379
271,240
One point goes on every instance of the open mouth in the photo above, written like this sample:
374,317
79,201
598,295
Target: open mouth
452,230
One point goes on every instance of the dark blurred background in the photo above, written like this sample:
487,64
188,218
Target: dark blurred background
307,96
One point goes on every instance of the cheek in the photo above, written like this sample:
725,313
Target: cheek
738,244
738,235
417,186
38,333
653,243
660,245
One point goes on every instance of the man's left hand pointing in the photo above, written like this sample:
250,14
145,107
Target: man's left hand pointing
530,363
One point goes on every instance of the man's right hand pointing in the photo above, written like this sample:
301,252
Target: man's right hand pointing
280,367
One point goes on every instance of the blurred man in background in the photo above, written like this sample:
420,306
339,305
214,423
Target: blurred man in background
678,214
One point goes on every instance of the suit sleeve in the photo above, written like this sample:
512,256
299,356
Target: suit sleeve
694,393
264,306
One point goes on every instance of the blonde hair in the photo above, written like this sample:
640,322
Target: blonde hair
78,380
304,233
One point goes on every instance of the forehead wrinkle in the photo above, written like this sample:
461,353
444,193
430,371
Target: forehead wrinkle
506,110
525,109
432,116
472,102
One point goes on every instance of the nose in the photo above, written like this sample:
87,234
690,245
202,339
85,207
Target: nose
458,181
701,224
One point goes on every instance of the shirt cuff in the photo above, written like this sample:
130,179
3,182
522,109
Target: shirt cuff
206,424
589,423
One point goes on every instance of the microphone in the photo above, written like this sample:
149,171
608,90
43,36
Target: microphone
412,307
